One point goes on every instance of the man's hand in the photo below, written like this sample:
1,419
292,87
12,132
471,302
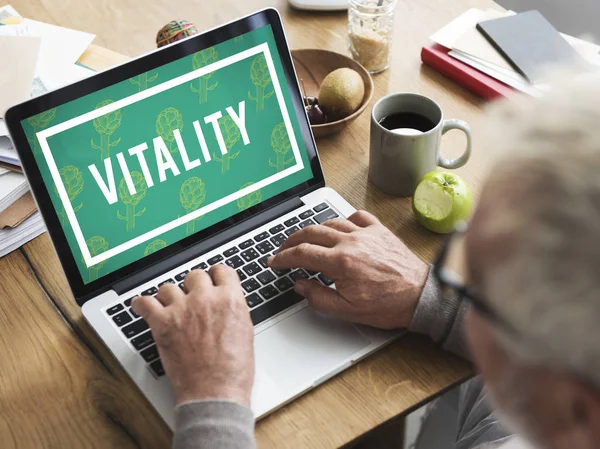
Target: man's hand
378,279
205,337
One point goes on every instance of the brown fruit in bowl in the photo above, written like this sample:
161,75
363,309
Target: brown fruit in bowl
341,93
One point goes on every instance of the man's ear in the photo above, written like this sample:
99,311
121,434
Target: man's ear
582,412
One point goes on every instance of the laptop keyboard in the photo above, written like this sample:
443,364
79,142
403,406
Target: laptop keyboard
268,292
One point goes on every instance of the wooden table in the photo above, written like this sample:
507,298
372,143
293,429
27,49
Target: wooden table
60,387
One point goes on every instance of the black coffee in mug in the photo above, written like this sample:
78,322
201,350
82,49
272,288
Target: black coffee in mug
407,120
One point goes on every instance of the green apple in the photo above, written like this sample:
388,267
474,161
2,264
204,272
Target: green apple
441,200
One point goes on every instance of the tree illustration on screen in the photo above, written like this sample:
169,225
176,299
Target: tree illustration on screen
231,134
280,142
202,59
261,78
38,123
154,245
143,80
191,195
96,245
247,201
106,125
132,201
73,181
167,121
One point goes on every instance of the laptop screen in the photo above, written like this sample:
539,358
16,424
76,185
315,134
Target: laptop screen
146,162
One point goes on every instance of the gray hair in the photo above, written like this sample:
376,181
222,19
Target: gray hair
547,281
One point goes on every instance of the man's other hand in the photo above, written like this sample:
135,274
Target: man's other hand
205,337
378,279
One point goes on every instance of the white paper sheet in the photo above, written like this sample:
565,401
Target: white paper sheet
20,55
12,187
9,15
61,47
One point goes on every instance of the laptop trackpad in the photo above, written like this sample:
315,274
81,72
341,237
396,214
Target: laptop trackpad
305,346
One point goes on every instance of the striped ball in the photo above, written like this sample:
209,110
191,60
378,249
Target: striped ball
174,31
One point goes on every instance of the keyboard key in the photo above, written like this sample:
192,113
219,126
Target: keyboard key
278,239
272,308
231,251
252,268
128,302
137,327
141,341
247,244
235,262
114,309
268,292
280,273
133,314
150,292
200,266
291,221
215,259
168,281
253,300
327,214
249,255
122,319
150,353
266,277
157,368
263,261
306,223
182,286
311,272
307,213
290,231
260,237
320,207
241,274
276,229
250,285
265,247
324,279
299,274
181,276
284,283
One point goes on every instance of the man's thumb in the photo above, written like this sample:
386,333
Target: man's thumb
321,298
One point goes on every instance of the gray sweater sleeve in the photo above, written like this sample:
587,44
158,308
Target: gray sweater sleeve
213,424
441,317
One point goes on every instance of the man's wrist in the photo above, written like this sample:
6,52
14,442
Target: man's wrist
230,393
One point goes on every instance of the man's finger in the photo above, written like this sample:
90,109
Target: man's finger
305,255
223,275
324,299
168,294
341,224
316,235
148,307
363,218
197,280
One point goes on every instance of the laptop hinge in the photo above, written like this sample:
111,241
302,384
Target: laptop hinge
207,245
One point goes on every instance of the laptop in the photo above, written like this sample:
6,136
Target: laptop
196,154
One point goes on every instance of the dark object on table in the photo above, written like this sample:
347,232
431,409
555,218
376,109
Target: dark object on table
530,44
174,31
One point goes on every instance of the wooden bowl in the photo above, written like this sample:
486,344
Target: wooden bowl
313,65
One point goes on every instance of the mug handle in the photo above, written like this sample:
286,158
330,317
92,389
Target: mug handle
462,160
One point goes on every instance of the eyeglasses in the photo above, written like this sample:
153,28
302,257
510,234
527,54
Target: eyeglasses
450,270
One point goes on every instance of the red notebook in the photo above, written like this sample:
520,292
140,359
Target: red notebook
479,83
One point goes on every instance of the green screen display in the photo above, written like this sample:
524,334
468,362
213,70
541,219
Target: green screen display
144,163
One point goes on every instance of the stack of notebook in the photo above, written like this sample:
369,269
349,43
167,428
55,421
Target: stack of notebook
470,50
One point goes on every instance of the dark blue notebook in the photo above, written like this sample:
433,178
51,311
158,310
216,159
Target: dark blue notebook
530,44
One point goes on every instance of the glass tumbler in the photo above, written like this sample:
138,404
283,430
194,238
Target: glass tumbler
370,30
